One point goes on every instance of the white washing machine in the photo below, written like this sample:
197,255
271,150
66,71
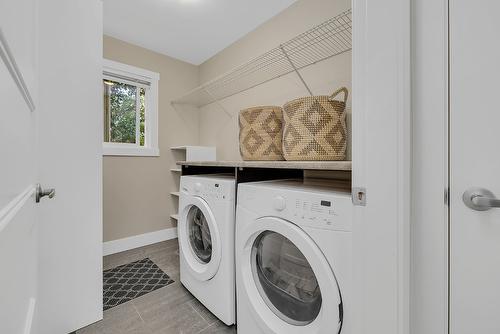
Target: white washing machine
206,241
293,258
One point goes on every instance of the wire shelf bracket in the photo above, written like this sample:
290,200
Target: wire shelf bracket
296,70
331,38
218,103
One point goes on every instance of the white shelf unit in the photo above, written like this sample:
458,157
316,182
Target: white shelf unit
324,41
189,153
195,153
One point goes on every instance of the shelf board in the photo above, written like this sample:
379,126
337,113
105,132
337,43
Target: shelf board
176,170
175,216
305,165
331,38
175,193
186,147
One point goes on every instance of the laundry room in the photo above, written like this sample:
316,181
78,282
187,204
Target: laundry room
237,166
219,128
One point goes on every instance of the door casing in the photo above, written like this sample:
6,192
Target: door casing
381,146
429,178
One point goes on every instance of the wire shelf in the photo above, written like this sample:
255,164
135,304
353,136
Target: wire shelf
324,41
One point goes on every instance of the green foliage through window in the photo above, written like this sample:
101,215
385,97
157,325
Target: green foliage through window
122,102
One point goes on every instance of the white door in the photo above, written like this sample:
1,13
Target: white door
18,167
51,252
474,163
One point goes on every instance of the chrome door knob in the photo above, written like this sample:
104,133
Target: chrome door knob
480,199
39,193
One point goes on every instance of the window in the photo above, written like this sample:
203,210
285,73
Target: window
130,110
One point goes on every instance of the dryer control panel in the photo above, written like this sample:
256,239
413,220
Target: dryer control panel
326,212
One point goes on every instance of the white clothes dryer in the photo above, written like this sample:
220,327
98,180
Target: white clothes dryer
206,241
293,258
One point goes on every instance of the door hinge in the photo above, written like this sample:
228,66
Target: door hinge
359,196
447,196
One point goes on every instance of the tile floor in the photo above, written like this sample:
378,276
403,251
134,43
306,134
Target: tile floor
169,310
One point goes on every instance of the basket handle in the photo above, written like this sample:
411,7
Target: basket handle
337,92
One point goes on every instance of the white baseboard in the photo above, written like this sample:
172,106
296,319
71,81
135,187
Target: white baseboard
120,245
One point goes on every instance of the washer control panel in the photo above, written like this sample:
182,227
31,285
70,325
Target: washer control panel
209,190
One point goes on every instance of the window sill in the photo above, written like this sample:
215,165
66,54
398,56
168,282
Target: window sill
129,151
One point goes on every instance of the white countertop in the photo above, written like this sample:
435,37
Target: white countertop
306,165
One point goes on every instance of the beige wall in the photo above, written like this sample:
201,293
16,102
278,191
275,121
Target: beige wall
137,189
220,130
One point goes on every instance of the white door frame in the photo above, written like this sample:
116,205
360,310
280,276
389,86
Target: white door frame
381,165
429,230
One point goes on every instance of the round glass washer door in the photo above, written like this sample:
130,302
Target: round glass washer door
286,279
199,238
199,234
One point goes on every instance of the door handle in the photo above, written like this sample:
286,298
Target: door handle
39,193
480,199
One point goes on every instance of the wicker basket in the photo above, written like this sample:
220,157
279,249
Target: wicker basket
315,128
261,133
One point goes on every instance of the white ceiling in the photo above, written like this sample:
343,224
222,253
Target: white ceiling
190,30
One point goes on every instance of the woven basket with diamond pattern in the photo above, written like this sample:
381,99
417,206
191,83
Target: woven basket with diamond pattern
261,133
315,128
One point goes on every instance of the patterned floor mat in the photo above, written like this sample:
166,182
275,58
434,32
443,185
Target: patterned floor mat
132,280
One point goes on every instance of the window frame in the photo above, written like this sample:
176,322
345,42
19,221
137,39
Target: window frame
151,148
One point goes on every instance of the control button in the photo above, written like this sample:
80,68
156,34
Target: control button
197,187
279,203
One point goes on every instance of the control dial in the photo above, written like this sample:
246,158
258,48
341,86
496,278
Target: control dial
279,203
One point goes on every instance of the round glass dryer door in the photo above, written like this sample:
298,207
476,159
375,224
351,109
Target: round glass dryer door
285,279
200,237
